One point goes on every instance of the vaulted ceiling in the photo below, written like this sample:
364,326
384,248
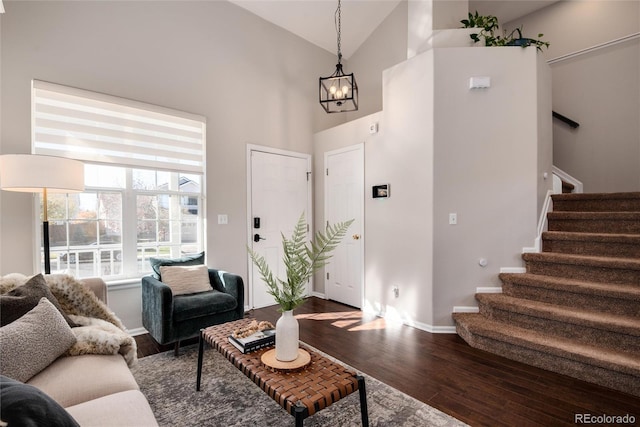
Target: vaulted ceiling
313,20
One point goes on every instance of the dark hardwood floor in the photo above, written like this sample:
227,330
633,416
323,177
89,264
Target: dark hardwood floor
441,370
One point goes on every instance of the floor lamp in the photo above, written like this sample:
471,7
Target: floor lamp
32,173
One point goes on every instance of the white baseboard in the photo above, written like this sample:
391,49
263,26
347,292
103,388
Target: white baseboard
318,294
489,290
464,309
430,328
418,325
513,270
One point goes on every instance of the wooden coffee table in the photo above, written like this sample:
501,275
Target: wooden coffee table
302,393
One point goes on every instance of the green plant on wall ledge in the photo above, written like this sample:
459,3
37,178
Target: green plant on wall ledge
489,27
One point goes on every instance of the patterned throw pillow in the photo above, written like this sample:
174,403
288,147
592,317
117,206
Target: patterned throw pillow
34,341
189,279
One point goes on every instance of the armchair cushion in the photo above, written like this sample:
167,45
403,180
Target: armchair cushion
188,279
186,260
170,318
202,304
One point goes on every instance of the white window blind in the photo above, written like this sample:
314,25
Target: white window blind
99,128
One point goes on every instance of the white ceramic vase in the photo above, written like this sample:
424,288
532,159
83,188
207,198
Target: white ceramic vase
287,335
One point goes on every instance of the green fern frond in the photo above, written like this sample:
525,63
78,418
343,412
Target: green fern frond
301,260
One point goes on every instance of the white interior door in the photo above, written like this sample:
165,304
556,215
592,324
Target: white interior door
344,200
279,193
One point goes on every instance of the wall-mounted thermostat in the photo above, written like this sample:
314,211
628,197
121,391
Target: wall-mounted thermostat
379,191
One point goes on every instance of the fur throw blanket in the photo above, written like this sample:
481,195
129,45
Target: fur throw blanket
100,331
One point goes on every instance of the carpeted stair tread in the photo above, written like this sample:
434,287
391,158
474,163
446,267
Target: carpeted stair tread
476,324
597,202
576,310
593,261
633,195
596,216
604,290
592,237
576,316
594,244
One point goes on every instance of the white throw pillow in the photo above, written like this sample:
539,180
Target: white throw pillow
188,279
34,341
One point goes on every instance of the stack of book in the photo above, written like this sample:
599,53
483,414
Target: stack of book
255,341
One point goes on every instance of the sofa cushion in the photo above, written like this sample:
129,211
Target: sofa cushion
26,406
127,408
188,279
76,379
203,304
34,341
186,260
15,303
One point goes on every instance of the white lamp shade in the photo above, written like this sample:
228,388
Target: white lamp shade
31,173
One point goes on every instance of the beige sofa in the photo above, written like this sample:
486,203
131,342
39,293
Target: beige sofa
97,390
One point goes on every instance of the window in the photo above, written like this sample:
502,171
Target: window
144,168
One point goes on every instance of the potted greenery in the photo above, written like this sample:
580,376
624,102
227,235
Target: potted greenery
301,260
488,32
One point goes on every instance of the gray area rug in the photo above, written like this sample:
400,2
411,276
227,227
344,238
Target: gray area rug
229,398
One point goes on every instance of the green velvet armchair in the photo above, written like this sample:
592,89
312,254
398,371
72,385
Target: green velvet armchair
171,318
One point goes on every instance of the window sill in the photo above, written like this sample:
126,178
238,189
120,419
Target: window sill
134,282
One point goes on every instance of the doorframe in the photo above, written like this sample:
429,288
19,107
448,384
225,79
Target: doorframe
249,224
360,148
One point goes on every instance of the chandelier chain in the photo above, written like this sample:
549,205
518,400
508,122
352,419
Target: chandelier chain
338,29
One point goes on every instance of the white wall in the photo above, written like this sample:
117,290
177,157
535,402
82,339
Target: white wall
444,148
384,48
491,147
254,82
600,90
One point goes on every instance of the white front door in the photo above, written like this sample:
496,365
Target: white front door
344,200
279,193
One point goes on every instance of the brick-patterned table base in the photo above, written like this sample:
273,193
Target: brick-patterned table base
303,393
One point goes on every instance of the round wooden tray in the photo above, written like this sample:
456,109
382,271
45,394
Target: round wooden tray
302,361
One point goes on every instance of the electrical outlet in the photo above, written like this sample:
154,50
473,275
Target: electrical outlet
223,219
453,218
396,291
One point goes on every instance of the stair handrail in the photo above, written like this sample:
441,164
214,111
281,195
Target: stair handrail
565,119
577,184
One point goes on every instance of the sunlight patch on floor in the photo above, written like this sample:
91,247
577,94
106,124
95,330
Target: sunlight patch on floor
331,316
376,324
353,321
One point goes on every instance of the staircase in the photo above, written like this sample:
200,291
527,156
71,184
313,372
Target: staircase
576,310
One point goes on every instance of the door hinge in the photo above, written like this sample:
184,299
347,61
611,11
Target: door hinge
308,174
307,228
327,275
327,171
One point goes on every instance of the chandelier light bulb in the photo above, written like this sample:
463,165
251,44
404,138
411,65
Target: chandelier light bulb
332,90
338,93
345,90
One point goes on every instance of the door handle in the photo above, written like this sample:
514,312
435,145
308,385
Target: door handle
257,238
356,237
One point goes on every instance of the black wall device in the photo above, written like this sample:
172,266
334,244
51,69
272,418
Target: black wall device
379,191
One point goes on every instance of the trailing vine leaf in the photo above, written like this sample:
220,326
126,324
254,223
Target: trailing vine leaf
301,260
488,32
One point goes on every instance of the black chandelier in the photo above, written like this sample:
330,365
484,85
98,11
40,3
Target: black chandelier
339,91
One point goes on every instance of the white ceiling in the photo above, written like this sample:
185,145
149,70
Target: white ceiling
313,20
